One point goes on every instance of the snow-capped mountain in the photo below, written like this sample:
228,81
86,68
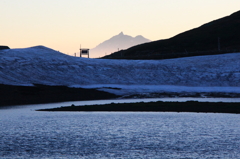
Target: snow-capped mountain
41,65
117,42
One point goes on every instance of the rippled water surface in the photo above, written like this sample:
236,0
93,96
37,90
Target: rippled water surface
25,133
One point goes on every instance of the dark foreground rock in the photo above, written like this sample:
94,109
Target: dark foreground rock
19,95
189,106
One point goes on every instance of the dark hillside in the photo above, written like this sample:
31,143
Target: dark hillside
21,95
4,47
216,37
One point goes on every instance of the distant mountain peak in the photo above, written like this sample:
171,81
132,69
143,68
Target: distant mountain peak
121,33
116,43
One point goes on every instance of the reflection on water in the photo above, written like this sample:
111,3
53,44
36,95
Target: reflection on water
25,133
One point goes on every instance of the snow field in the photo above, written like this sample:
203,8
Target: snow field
42,65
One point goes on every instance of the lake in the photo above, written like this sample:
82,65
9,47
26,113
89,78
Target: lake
26,133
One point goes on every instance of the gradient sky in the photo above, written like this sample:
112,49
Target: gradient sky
65,24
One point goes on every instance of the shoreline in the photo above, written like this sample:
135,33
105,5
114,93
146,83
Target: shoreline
11,95
188,106
38,94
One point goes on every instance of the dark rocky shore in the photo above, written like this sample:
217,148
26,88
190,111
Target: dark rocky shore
189,106
20,95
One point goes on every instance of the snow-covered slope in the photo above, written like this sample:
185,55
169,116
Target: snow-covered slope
42,65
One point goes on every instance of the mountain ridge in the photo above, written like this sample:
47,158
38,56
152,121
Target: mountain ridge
215,37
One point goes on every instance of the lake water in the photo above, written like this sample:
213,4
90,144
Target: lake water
26,133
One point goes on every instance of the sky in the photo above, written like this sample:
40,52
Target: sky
65,24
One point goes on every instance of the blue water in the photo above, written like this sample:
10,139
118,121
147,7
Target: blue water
26,133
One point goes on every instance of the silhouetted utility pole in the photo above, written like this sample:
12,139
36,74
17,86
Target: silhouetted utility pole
219,46
80,51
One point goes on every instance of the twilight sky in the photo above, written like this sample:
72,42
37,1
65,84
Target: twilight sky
65,24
